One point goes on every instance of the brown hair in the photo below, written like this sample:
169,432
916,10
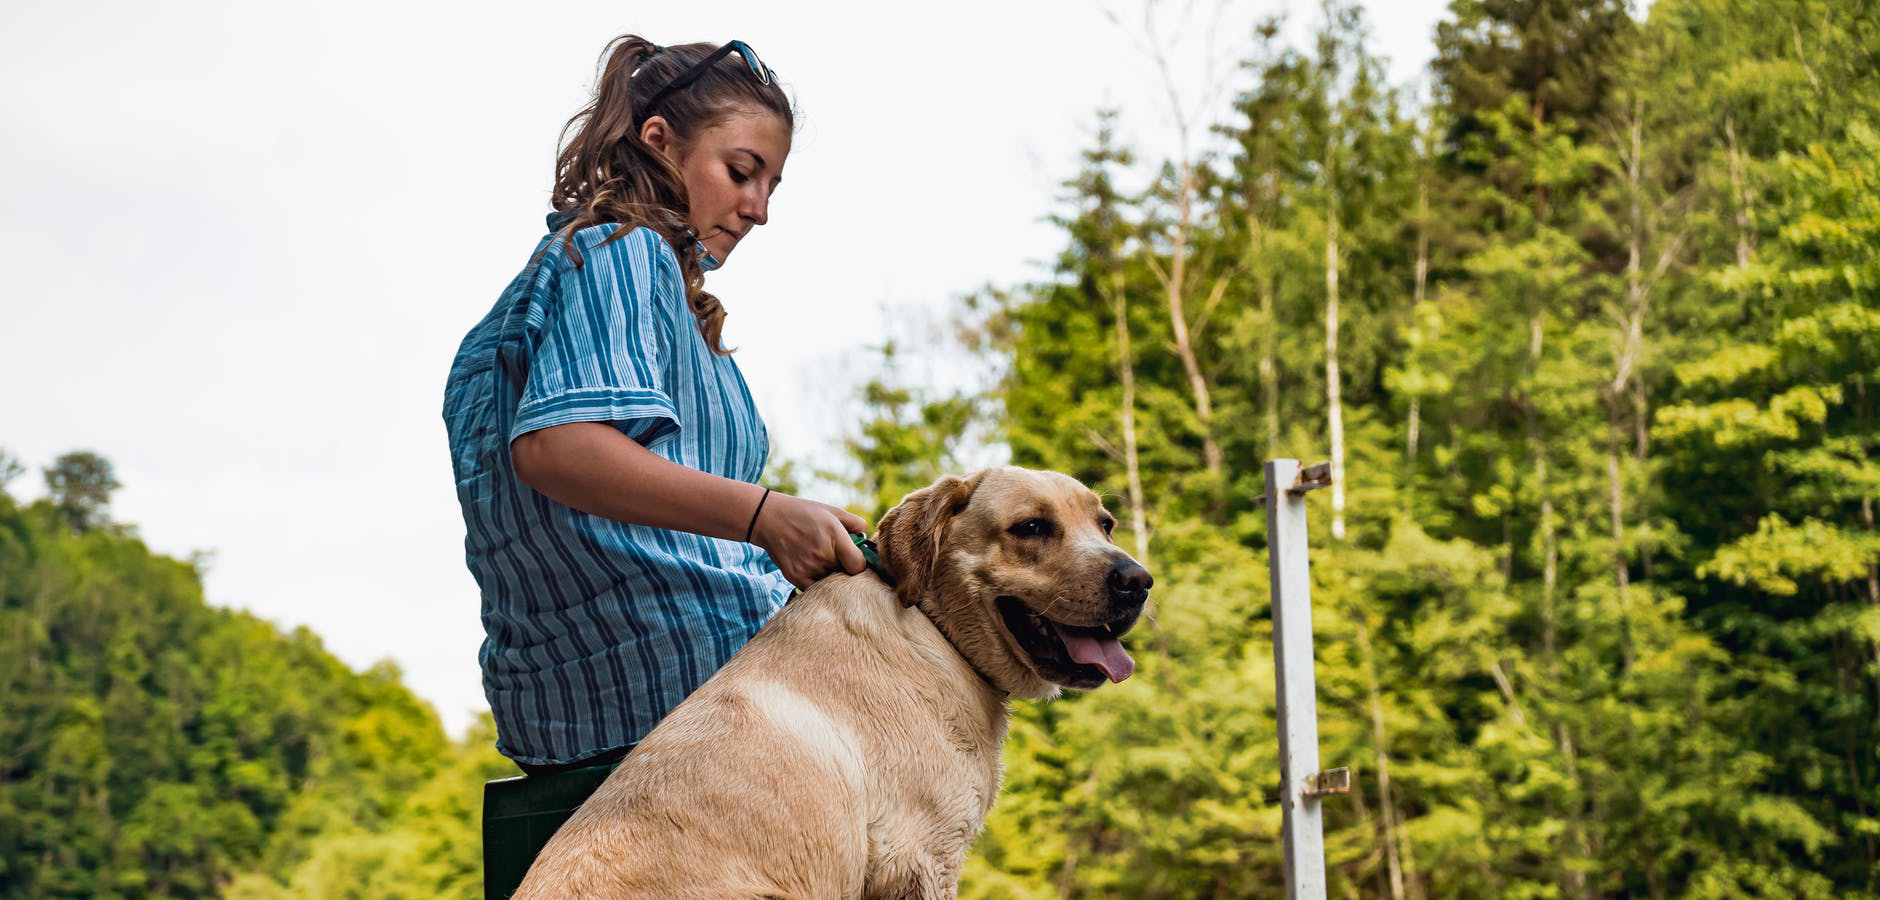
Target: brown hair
605,173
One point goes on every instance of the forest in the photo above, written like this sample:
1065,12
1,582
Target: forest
1588,325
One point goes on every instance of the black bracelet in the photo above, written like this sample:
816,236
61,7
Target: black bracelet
760,508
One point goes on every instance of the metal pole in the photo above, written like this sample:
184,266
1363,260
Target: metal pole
1301,782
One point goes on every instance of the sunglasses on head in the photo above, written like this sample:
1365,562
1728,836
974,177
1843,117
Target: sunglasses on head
759,71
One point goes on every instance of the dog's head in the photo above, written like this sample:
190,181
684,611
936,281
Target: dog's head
1017,569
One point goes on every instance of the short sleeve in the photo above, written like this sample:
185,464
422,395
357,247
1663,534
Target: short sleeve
604,344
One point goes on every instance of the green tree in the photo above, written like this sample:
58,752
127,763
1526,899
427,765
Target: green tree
10,468
1092,387
907,438
1778,435
1555,296
152,746
80,484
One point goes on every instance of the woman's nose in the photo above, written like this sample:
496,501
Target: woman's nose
756,207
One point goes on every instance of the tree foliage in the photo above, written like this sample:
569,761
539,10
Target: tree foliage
1606,618
80,485
154,746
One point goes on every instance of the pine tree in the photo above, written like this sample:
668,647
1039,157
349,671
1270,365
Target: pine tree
1778,435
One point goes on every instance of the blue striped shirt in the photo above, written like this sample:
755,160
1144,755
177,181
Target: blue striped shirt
594,629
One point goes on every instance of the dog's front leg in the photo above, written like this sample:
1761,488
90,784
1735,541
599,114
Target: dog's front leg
913,877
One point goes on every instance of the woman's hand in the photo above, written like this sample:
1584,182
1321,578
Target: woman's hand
807,539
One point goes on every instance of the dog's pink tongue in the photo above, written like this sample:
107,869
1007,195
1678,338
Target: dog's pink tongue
1104,653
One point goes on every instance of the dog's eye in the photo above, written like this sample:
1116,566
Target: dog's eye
1032,528
1109,525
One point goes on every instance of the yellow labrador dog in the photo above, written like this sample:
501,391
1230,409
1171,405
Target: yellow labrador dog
851,749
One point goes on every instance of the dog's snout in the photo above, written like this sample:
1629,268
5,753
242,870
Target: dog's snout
1128,581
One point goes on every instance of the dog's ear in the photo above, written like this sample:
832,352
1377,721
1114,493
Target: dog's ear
909,535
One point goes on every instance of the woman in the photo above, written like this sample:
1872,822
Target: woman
605,444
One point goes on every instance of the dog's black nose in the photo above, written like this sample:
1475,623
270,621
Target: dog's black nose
1129,582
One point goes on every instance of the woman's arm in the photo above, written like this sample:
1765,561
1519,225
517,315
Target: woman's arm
594,468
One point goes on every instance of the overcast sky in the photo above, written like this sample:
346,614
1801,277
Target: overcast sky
240,242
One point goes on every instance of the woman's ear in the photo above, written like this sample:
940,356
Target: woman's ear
657,134
910,534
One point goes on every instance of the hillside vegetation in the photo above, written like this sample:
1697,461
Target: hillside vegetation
154,746
1590,333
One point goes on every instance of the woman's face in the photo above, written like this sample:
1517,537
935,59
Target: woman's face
730,171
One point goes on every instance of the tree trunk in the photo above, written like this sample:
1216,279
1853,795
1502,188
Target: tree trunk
1550,553
1873,568
1422,278
1380,740
1175,282
1126,368
1873,594
1631,344
1269,343
1550,550
1269,371
1621,577
1550,547
1174,285
1739,192
1334,403
1574,878
1507,554
1506,685
1873,646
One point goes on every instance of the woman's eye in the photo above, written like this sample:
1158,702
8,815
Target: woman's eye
737,177
1032,528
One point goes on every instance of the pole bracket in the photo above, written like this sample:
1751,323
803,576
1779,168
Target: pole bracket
1330,781
1311,478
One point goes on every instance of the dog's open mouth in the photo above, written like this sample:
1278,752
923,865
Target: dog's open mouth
1055,645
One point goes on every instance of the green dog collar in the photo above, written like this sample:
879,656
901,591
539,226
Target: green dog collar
872,554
